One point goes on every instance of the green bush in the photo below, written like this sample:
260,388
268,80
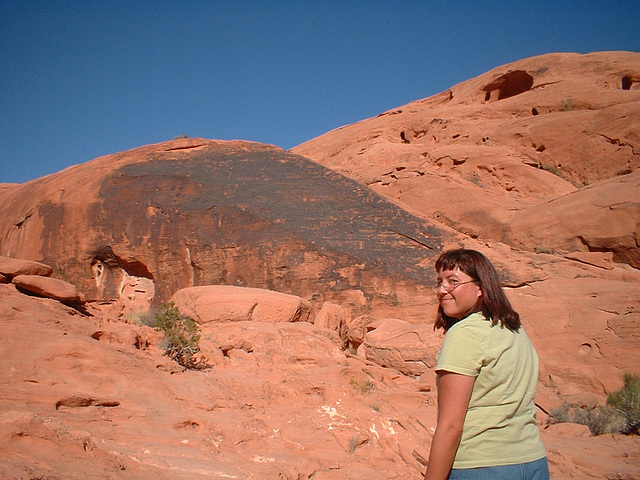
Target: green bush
627,402
621,414
600,420
181,336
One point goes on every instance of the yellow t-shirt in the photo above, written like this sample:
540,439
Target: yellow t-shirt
500,427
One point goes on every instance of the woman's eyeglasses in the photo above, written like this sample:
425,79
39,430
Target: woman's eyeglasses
450,286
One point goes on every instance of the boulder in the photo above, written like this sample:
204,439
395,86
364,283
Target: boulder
398,344
12,267
603,217
225,303
48,287
290,343
358,329
334,317
572,430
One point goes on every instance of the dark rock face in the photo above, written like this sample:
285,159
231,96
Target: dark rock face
237,213
257,218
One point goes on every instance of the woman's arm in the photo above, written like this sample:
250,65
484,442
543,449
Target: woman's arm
454,393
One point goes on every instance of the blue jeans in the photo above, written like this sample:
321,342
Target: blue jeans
536,470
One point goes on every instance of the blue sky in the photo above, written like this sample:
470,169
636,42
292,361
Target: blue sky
83,79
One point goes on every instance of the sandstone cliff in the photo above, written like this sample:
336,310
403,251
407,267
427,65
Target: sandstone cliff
518,155
137,226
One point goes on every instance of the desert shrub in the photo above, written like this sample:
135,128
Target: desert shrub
627,402
621,414
365,387
600,420
552,168
561,414
353,443
181,336
475,179
566,105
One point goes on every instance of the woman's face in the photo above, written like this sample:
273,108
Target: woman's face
458,293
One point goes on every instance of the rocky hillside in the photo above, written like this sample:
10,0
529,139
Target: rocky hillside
539,154
308,273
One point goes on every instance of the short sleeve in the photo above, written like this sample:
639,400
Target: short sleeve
461,352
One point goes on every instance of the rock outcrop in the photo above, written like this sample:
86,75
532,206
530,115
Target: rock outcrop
34,277
48,287
542,155
12,267
225,303
137,226
603,217
506,156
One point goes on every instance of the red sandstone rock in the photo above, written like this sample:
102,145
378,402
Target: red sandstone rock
14,266
510,145
137,226
395,343
284,401
598,259
602,217
48,287
223,303
4,279
358,329
491,158
334,317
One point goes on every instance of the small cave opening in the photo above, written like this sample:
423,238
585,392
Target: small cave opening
628,82
508,85
106,256
127,280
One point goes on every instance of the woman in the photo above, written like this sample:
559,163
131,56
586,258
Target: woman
487,371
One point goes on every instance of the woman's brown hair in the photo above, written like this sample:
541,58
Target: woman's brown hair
495,304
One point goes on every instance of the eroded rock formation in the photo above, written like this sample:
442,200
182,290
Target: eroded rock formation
506,156
139,225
